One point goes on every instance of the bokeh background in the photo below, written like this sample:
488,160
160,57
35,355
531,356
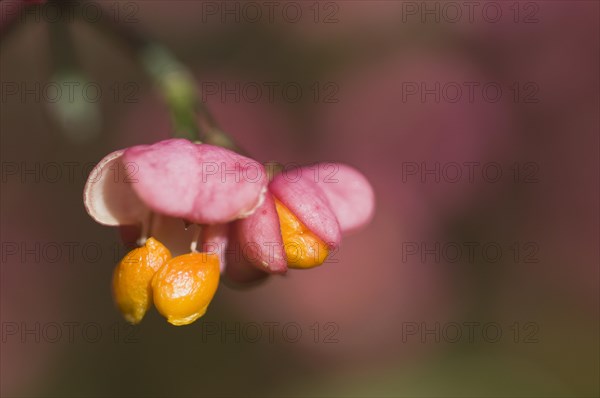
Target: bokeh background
407,310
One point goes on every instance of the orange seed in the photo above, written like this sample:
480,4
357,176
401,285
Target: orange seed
133,276
302,247
184,287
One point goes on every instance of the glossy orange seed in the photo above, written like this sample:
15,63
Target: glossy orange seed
133,276
302,247
184,287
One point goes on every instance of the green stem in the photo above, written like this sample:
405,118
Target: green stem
180,91
176,86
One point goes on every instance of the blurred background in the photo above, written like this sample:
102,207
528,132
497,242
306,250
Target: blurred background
476,122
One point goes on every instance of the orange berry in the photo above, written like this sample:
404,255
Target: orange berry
133,276
302,247
185,286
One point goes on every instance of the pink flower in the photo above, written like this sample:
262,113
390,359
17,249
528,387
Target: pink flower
199,183
172,184
328,199
159,190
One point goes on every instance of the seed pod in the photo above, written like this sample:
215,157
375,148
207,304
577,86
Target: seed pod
132,279
184,287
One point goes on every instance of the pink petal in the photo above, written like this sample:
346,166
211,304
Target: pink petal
299,193
108,195
349,193
259,238
201,183
240,271
214,240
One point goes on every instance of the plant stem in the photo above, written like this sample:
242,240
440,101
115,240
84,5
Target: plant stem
176,86
190,117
